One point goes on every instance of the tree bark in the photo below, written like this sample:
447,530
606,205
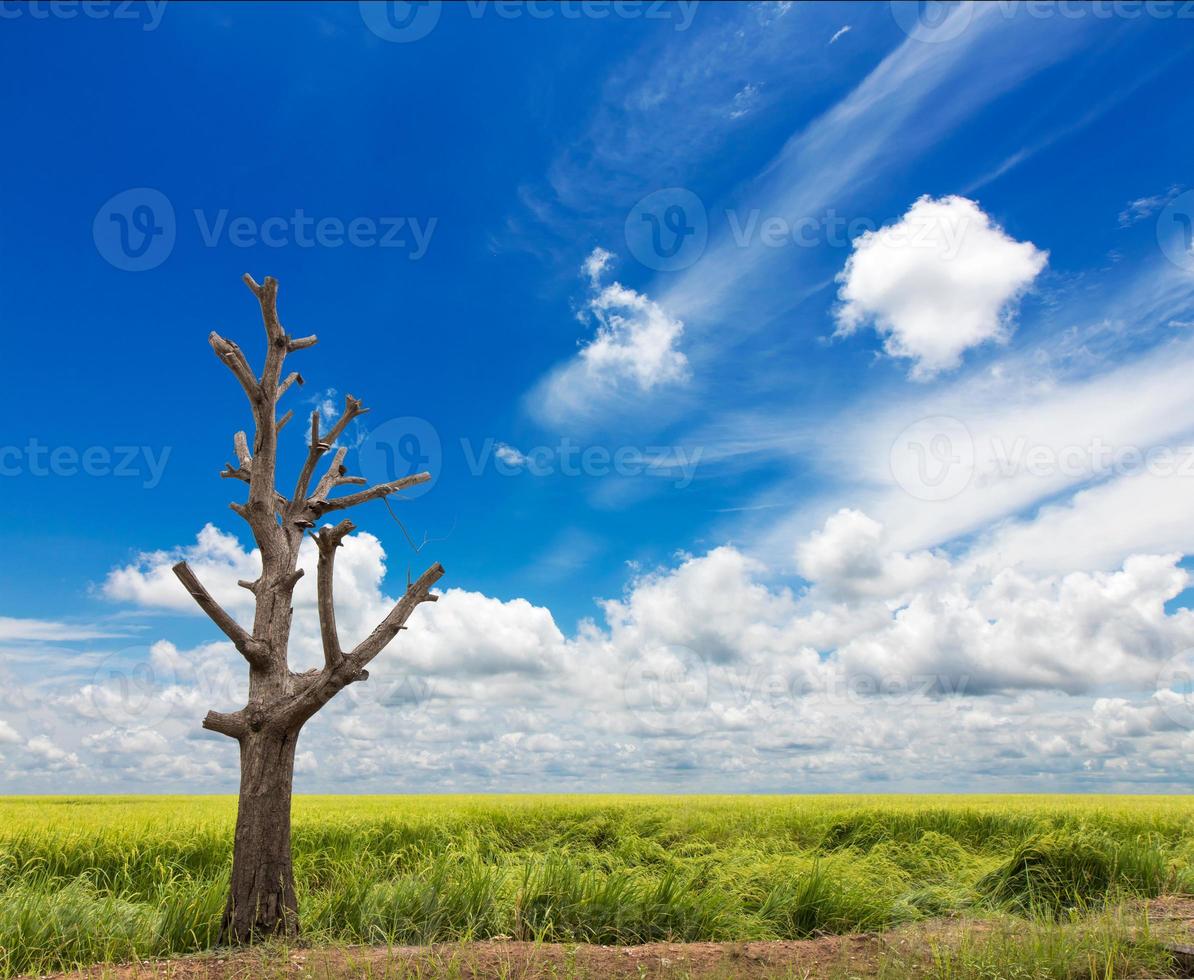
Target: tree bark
262,900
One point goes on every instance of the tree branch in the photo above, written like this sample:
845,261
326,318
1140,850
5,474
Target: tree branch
233,725
388,628
328,540
290,379
241,443
320,444
234,357
334,471
351,667
250,648
364,496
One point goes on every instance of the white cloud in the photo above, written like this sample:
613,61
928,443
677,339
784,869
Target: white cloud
636,339
633,352
848,557
134,741
837,684
941,280
1146,207
845,29
1069,454
49,756
744,101
596,264
897,113
42,630
216,558
509,455
8,734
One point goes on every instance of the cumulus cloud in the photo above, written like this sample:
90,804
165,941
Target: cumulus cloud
941,280
849,557
636,340
880,661
49,756
216,558
634,351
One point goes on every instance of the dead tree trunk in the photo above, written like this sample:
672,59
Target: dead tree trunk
262,889
261,900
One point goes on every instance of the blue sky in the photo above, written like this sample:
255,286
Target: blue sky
764,354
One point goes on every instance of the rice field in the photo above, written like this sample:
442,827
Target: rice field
90,880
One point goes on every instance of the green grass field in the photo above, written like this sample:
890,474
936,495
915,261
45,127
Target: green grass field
97,879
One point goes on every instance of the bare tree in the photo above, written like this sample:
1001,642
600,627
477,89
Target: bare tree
261,899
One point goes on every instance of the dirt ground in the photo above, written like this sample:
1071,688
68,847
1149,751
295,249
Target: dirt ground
856,955
823,957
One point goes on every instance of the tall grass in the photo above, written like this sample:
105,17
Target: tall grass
92,880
